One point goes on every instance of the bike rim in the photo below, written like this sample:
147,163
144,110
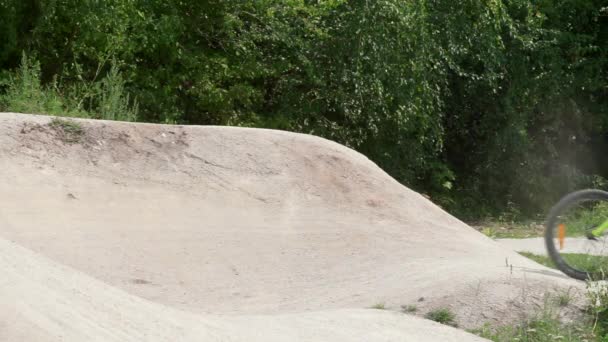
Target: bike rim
571,228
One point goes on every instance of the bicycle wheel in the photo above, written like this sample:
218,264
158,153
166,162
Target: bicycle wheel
575,239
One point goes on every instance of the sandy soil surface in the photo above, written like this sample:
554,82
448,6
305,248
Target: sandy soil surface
42,301
232,233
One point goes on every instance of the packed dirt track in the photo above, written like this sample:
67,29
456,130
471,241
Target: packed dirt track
137,232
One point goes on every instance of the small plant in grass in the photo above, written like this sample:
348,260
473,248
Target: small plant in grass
541,329
379,306
597,293
489,232
564,298
547,326
408,308
114,101
544,326
69,131
443,316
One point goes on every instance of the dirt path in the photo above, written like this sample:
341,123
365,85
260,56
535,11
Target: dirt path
571,245
181,224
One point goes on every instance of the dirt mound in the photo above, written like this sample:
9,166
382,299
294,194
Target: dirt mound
247,221
44,301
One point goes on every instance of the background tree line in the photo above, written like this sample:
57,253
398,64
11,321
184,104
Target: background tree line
489,106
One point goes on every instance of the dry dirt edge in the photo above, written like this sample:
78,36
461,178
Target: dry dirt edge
201,221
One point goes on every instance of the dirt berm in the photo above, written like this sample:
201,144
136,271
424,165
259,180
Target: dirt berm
137,232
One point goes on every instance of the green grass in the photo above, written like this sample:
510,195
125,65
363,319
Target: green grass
581,218
443,316
563,299
379,306
541,259
577,219
545,328
510,230
590,263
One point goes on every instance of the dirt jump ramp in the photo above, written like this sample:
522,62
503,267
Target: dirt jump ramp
137,232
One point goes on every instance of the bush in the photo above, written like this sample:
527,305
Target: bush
105,99
25,94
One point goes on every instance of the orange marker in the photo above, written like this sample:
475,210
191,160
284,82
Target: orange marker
561,234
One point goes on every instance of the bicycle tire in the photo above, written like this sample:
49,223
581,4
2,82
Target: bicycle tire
564,204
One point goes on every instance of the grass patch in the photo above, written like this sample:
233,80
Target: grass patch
541,329
443,316
586,215
546,325
564,298
592,325
589,263
541,259
68,131
408,308
379,306
510,230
